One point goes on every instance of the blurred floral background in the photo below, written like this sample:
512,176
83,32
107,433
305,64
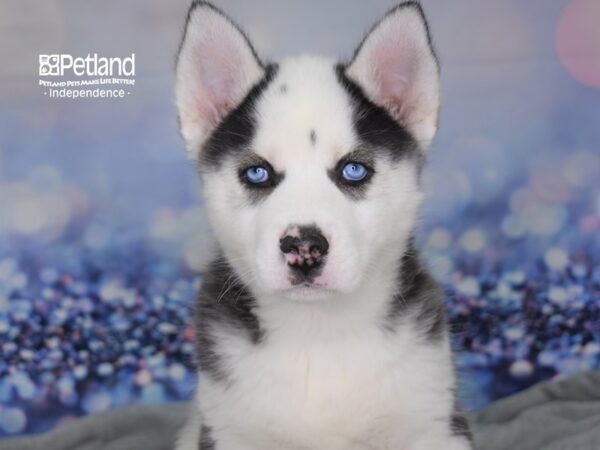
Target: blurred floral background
102,233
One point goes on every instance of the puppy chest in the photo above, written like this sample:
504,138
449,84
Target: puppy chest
349,388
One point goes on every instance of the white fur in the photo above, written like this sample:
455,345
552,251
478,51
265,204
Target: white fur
327,375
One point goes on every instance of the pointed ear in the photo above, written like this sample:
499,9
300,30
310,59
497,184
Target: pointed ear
397,69
216,68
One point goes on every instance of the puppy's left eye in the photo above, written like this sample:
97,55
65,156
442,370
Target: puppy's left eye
256,174
354,172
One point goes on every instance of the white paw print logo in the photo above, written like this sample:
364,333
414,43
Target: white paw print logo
49,65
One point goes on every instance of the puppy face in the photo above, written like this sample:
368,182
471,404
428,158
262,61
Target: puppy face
310,168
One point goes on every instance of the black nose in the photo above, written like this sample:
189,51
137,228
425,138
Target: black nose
304,248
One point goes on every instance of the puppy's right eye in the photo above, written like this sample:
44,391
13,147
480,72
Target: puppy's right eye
257,175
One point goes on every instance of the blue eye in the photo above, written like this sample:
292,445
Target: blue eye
256,174
354,172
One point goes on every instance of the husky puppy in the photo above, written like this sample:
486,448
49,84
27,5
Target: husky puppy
317,325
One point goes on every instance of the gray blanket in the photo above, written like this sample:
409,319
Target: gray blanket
563,415
560,415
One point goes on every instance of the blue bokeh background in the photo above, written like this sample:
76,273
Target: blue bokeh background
102,233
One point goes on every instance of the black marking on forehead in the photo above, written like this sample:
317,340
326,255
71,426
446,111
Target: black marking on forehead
313,137
375,126
235,132
226,304
418,296
283,88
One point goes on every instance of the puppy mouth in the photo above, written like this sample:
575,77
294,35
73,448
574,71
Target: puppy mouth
310,285
308,291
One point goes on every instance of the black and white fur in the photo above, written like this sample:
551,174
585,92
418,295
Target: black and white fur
352,352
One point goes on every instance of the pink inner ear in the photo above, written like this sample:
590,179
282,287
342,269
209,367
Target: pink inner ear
395,67
218,64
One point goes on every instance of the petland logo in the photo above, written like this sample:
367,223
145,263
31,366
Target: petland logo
108,71
91,65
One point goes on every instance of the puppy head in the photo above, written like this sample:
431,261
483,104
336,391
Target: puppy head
310,168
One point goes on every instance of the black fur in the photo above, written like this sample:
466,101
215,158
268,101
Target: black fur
224,301
375,127
235,132
419,295
206,440
459,426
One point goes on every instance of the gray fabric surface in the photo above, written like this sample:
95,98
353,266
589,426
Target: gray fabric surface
131,428
563,415
560,415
